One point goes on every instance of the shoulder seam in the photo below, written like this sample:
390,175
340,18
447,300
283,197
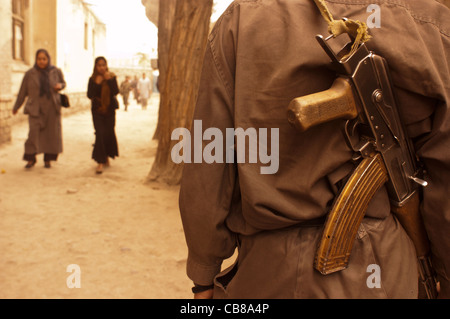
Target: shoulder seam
397,3
220,71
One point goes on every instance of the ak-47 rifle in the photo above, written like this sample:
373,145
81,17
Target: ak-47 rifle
362,94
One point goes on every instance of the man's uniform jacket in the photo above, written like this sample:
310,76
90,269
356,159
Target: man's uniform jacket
262,54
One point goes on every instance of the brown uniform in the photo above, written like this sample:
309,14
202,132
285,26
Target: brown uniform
261,55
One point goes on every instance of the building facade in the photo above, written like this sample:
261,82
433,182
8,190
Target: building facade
6,97
67,29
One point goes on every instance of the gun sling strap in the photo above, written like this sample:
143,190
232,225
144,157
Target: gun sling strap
357,30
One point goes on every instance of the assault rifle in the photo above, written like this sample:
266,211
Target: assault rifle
362,95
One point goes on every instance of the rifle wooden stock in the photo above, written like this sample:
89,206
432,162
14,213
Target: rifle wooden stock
335,103
343,221
411,220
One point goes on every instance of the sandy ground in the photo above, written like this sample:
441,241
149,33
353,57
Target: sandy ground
123,233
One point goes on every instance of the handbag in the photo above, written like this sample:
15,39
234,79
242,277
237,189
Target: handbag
64,100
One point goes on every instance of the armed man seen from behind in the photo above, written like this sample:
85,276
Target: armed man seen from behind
360,205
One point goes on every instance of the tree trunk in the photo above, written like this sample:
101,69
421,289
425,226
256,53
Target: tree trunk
180,86
165,24
151,10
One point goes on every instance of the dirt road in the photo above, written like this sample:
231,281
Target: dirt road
124,234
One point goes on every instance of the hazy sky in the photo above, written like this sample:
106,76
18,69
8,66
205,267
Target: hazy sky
128,28
220,6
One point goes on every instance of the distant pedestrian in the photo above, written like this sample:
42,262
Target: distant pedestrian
145,90
125,89
155,76
134,87
102,91
41,85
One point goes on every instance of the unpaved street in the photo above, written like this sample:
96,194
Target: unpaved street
123,233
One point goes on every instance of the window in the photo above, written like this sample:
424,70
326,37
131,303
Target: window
18,39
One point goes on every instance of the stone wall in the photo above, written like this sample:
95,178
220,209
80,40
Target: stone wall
5,120
5,74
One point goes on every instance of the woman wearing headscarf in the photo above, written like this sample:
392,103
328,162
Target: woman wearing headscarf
102,91
41,85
